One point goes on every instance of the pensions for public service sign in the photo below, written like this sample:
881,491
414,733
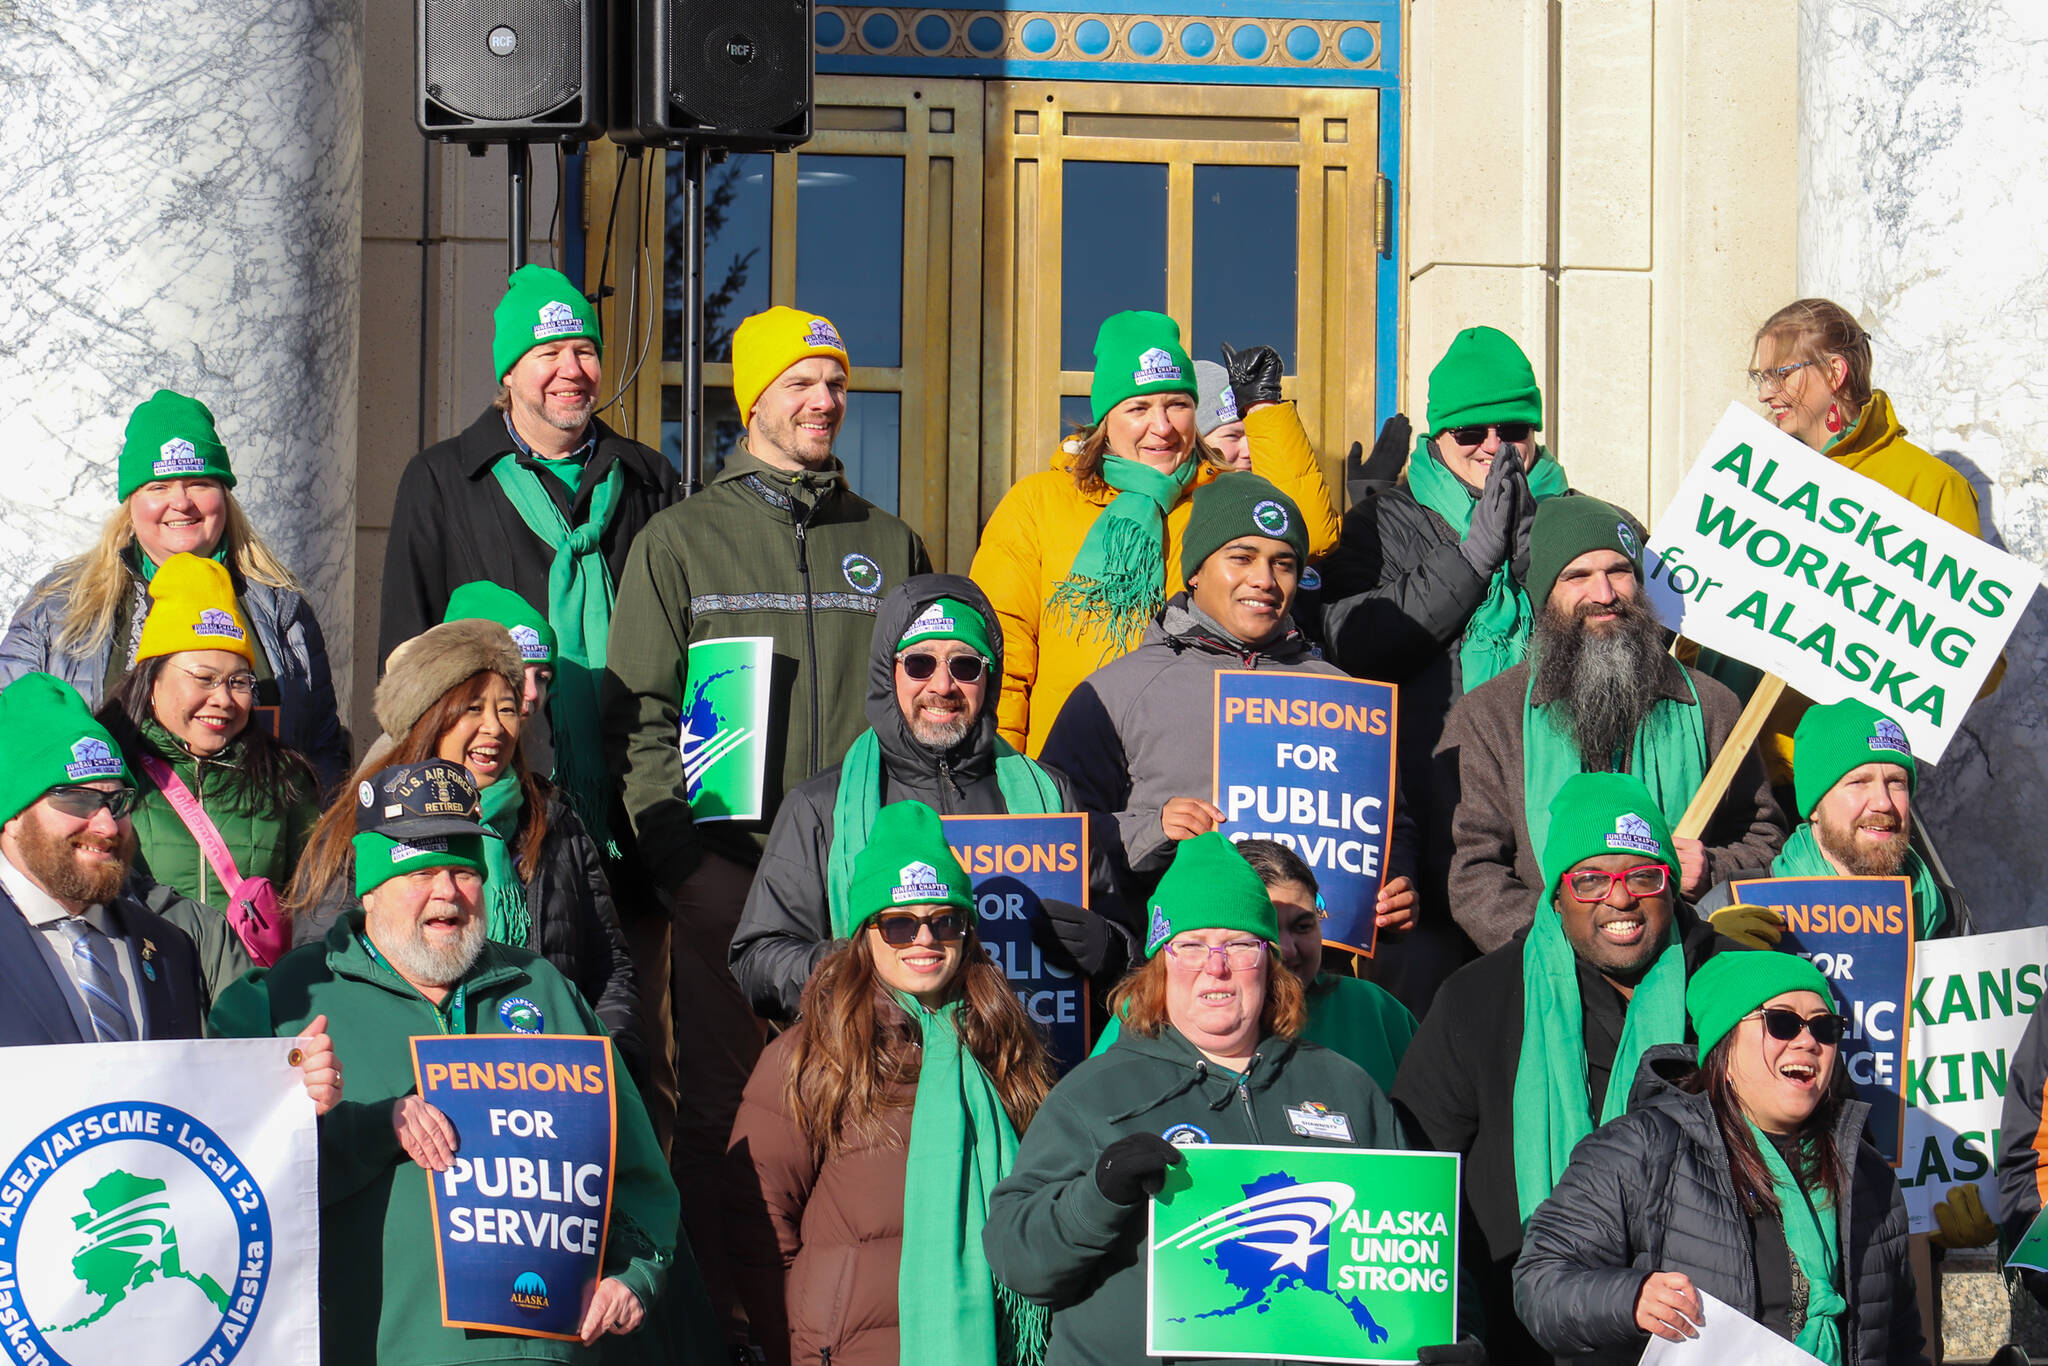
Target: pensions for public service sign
159,1206
1775,555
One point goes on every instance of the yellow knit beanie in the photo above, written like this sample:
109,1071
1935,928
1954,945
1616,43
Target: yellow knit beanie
768,343
192,607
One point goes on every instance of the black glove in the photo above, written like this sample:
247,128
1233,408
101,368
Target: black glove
1081,938
1491,535
1464,1352
1134,1168
1254,375
1525,522
1390,450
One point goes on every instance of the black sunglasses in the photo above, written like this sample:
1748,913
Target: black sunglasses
1783,1024
1476,436
900,927
964,668
83,803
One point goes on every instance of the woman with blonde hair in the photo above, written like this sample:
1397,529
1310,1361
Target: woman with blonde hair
83,622
1078,558
873,1132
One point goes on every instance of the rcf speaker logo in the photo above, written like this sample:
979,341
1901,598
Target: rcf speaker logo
124,1224
740,49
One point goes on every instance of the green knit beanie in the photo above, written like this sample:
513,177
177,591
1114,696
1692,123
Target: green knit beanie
1483,377
1210,887
1138,353
1730,985
1844,735
906,862
1603,813
379,858
527,624
540,306
1566,528
52,741
171,436
950,619
1239,504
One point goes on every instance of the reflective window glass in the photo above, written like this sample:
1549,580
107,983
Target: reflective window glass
1112,249
1075,413
849,252
870,445
738,217
1244,260
722,427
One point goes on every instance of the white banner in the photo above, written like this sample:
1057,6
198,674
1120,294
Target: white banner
1972,998
1772,553
159,1206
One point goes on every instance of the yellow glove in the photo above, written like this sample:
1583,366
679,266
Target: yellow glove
1960,1219
1759,927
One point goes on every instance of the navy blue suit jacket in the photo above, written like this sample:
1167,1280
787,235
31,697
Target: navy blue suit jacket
34,1004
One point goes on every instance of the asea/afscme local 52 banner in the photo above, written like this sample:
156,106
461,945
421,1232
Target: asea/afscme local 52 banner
520,1216
159,1206
1308,760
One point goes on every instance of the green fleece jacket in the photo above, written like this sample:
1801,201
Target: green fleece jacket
799,558
380,1297
1057,1240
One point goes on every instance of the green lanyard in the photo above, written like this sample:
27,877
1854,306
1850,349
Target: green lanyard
454,1020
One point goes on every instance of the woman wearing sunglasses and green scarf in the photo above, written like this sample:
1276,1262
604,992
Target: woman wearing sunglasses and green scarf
872,1132
1079,557
1746,1177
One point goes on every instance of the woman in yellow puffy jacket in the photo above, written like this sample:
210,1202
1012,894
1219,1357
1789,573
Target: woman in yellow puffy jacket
1078,558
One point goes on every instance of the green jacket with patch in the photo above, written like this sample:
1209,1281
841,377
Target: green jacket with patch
1057,1240
380,1297
799,558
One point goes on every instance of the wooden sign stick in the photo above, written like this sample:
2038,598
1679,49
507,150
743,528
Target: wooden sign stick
1730,758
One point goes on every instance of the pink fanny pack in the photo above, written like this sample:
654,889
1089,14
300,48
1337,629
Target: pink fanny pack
252,903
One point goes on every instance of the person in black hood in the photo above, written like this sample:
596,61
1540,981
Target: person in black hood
932,678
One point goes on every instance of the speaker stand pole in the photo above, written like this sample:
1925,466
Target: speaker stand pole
515,204
692,153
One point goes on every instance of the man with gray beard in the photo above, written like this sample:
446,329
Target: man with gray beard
1599,694
934,670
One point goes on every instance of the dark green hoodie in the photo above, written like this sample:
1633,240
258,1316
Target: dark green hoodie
380,1296
1056,1239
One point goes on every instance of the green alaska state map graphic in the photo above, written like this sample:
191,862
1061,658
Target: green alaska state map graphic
129,1242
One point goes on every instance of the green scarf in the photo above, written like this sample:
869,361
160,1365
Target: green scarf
1118,579
503,802
1816,1243
1670,756
580,609
145,568
961,1144
1550,1078
1027,789
1802,857
1497,637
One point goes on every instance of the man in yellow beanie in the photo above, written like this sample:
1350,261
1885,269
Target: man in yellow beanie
777,545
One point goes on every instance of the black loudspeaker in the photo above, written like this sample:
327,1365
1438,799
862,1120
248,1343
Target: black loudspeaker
509,70
727,73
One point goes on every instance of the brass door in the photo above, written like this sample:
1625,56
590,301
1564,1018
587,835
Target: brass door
1245,213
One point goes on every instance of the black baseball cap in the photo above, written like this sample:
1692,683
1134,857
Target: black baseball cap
416,801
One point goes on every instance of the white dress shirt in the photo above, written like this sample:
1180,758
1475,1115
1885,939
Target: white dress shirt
44,914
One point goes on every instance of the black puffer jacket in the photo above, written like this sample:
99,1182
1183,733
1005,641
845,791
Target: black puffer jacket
786,926
1651,1192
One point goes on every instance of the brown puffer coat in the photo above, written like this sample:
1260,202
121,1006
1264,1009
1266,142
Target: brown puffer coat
816,1245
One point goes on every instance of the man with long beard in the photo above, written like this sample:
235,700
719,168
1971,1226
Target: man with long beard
81,959
935,667
416,960
1599,694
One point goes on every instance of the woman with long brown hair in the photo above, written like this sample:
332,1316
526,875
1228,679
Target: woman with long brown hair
454,693
873,1132
83,621
1746,1177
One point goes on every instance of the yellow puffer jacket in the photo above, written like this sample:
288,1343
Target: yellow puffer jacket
1876,448
1030,543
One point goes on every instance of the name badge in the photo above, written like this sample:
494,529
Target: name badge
1313,1119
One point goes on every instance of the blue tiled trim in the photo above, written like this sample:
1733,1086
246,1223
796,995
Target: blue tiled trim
1149,73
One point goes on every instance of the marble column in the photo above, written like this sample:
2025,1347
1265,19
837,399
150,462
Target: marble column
183,191
1923,125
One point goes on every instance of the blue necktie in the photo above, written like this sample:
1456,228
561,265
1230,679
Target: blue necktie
105,997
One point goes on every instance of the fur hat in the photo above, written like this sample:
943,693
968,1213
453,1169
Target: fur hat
423,669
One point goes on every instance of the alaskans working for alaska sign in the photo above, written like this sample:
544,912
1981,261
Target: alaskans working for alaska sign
1775,555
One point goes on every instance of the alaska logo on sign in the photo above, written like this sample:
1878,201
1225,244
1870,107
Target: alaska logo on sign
725,729
1275,1242
135,1222
529,1293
